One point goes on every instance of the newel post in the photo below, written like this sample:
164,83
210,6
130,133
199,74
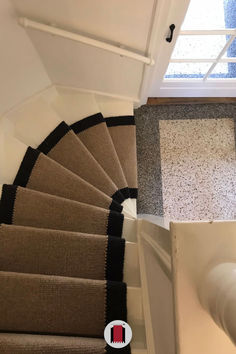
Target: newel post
217,292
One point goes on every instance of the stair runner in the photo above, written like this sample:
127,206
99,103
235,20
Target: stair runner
63,232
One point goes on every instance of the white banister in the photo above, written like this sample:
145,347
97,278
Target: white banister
217,294
25,22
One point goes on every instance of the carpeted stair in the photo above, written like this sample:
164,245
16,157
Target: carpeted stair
69,258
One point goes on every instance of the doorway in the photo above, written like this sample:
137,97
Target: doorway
201,59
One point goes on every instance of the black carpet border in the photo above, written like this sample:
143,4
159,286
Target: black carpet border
54,137
7,203
120,120
87,123
115,206
116,301
26,167
125,192
121,195
115,258
115,224
125,350
133,192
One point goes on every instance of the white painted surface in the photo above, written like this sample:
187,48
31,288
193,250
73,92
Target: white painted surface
34,121
156,289
101,44
171,12
126,23
194,88
99,93
134,304
21,70
73,106
157,220
111,107
158,30
188,87
161,302
6,126
130,207
135,317
11,155
197,248
217,293
131,265
133,202
79,65
129,231
127,213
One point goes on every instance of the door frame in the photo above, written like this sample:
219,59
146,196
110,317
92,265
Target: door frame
165,13
175,13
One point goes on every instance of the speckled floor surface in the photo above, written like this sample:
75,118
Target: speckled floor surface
196,188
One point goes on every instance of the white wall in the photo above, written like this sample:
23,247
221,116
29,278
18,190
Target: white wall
21,71
78,65
68,63
120,21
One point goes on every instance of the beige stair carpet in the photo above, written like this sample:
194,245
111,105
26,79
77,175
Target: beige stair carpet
39,172
23,206
93,132
15,343
123,133
63,253
44,129
32,303
63,146
61,276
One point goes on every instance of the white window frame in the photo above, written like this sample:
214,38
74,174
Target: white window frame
170,12
218,59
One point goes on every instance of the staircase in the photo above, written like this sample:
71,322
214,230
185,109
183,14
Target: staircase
69,262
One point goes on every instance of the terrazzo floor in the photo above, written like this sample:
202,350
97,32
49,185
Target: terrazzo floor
186,161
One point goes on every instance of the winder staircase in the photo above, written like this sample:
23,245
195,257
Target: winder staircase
69,260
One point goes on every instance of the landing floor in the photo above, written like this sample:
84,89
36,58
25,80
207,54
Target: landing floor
186,161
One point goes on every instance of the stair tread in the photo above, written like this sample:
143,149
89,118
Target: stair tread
60,181
27,343
59,305
54,212
94,134
94,162
37,251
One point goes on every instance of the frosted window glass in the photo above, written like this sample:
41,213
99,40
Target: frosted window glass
187,70
224,71
197,47
210,14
